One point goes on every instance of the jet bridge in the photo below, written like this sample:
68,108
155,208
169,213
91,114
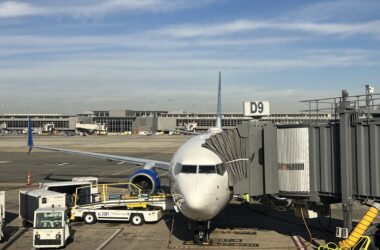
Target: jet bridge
316,163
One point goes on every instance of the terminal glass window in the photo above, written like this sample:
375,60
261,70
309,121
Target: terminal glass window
207,169
48,220
189,169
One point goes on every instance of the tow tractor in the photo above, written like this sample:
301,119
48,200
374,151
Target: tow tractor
126,204
50,228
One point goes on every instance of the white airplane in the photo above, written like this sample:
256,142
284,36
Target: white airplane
197,178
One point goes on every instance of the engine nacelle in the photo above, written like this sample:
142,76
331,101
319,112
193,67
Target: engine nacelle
147,179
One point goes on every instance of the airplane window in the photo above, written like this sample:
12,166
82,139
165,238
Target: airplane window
177,168
207,169
220,169
189,169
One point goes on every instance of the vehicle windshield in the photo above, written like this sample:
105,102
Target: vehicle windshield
48,220
189,169
207,169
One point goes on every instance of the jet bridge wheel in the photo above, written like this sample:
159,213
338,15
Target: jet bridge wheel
137,219
89,218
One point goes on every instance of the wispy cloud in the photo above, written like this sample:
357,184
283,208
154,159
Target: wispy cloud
327,11
92,8
16,45
169,65
238,26
15,9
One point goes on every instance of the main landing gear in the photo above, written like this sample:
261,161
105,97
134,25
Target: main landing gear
202,233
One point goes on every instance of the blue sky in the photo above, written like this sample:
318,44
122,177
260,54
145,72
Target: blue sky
76,55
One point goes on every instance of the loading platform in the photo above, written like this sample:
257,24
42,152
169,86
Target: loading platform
123,196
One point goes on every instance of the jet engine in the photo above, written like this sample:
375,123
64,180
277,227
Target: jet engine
147,179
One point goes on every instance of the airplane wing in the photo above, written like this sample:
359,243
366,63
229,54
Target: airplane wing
185,132
138,161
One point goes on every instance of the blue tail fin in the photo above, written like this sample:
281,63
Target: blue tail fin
219,107
30,136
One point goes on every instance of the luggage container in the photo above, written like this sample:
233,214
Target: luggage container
31,200
87,194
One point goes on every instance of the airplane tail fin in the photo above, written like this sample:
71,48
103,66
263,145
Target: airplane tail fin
30,136
219,107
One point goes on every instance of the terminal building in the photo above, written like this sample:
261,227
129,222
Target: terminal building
122,121
19,122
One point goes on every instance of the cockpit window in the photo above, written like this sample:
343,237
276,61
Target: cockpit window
220,169
189,169
207,169
177,168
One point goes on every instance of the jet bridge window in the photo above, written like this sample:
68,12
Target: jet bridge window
207,169
189,169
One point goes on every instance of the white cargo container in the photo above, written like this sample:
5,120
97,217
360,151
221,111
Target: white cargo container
87,195
2,214
30,200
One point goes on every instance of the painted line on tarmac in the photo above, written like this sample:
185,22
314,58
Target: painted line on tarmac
3,162
128,169
299,242
12,201
109,239
62,164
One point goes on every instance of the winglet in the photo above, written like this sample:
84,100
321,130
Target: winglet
219,107
30,136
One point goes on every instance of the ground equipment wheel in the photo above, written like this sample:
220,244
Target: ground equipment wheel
89,218
137,219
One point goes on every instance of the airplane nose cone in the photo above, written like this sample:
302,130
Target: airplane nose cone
200,207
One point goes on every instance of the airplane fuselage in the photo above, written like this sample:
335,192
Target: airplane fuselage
198,182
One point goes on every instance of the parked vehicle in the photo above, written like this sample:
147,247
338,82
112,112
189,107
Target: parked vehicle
51,227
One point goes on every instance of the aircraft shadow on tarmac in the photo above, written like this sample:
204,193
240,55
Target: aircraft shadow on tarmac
258,218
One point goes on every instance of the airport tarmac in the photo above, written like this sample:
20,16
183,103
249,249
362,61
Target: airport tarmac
238,226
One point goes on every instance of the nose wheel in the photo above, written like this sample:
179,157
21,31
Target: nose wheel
202,233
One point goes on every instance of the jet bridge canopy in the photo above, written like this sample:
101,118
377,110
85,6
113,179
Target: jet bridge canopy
251,169
231,147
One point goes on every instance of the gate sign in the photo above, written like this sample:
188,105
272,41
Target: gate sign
256,108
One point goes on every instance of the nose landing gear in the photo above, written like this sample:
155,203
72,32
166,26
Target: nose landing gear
202,233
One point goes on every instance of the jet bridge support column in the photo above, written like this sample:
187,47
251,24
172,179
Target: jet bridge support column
345,113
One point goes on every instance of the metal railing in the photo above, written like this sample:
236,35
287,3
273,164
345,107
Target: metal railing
132,190
366,105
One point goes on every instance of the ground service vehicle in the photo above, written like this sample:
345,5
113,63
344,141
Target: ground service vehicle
50,228
2,214
137,217
31,200
121,202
